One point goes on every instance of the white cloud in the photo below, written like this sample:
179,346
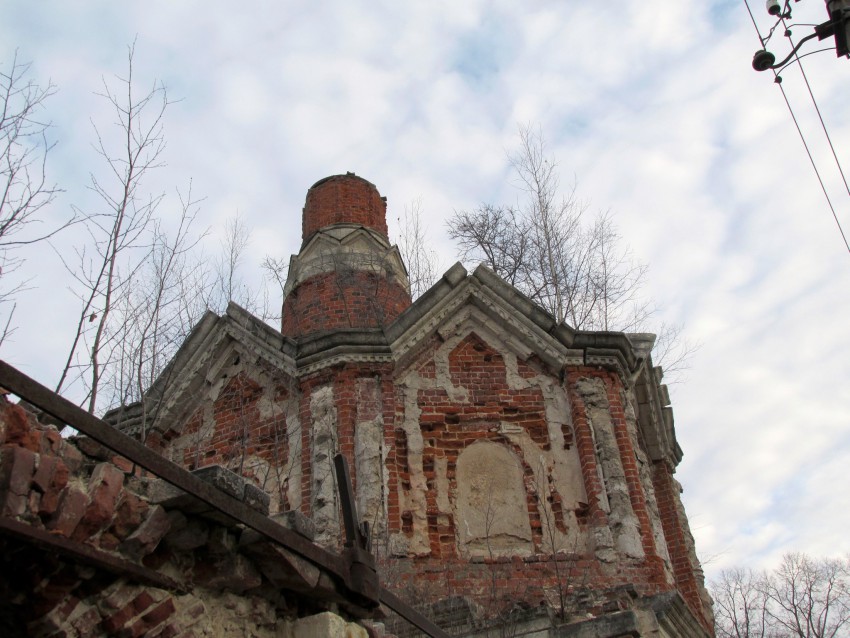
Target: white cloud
653,107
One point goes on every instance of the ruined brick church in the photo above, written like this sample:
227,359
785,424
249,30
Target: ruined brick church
498,456
509,468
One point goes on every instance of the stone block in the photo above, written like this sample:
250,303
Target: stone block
222,478
326,625
161,492
257,499
92,448
297,522
172,497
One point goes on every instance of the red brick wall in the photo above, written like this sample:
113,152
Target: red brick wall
669,505
239,432
449,426
342,300
344,199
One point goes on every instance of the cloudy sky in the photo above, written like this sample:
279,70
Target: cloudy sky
652,107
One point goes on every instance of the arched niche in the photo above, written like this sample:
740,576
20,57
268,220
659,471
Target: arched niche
491,511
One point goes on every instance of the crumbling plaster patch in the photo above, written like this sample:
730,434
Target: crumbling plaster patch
412,498
370,455
491,514
624,523
557,469
294,457
324,445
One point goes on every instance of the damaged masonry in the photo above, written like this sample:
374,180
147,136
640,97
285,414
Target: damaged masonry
507,471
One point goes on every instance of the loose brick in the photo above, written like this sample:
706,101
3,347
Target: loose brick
72,506
104,490
17,465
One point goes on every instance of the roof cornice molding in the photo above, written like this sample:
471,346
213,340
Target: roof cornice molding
345,246
557,344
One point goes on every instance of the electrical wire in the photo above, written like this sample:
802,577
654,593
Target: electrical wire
814,166
820,118
753,18
826,134
803,137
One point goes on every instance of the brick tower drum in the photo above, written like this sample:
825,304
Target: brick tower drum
347,275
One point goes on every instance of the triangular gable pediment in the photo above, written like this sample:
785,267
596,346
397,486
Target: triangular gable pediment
213,345
496,312
484,303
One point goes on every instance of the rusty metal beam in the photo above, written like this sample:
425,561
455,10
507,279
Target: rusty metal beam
143,456
85,422
87,554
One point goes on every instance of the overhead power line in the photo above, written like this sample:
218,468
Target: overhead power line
767,63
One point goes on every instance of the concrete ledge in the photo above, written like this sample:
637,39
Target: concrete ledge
161,492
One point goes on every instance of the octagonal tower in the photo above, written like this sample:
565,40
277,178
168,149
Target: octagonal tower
347,275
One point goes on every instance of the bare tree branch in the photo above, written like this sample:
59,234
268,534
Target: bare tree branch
24,188
576,268
423,266
120,230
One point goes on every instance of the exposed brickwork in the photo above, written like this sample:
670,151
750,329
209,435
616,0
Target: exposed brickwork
586,450
449,426
215,590
676,531
577,521
240,435
344,199
341,300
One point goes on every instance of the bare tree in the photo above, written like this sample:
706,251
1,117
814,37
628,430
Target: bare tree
160,303
545,246
809,598
24,188
572,264
804,598
228,285
740,605
423,264
119,231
